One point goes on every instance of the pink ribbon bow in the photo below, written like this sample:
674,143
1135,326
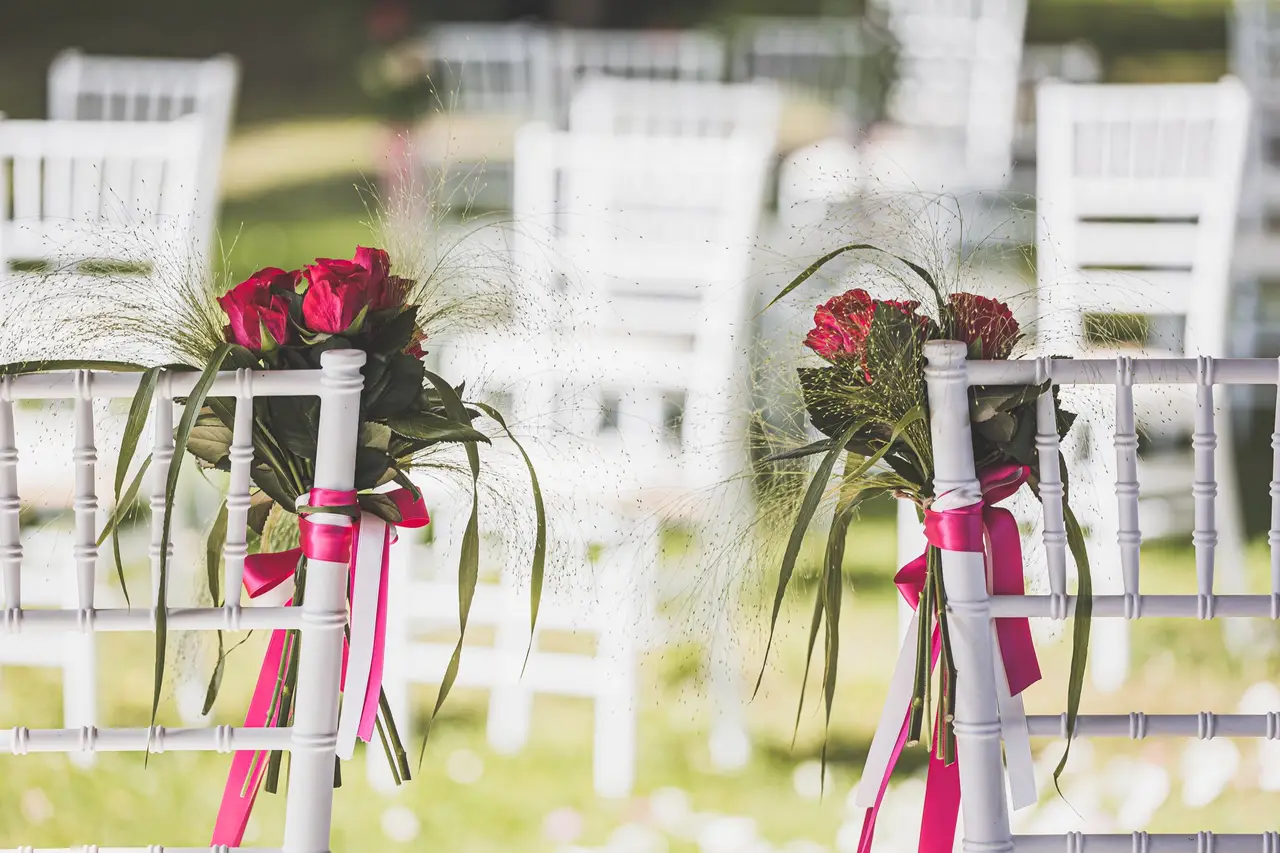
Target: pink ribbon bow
979,528
368,598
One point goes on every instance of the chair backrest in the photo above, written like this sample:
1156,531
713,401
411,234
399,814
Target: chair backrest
833,59
119,88
650,237
320,619
1074,62
502,69
957,75
1138,188
634,54
98,190
1255,58
982,776
667,108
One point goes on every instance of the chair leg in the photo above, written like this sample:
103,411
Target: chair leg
395,672
511,701
79,688
614,757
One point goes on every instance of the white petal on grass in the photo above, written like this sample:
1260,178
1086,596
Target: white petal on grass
808,780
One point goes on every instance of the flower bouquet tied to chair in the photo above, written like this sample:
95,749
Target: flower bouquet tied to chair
869,401
281,320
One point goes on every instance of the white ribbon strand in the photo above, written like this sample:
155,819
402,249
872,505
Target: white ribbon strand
364,623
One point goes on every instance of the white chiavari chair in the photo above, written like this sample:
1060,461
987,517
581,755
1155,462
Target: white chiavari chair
312,736
134,89
954,97
835,60
83,193
640,370
675,109
1138,188
984,799
581,55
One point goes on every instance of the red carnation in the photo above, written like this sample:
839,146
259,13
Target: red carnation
841,325
257,303
339,290
988,323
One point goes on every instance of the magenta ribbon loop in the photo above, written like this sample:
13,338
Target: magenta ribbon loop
263,573
980,528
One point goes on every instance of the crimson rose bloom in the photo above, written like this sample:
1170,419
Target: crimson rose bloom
841,324
988,321
255,303
340,289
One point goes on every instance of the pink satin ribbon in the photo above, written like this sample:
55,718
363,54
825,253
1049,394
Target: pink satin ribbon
265,572
979,528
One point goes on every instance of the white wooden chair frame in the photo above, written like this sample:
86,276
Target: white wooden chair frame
971,607
312,738
155,90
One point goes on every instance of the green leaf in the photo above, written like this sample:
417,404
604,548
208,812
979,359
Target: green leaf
822,261
468,561
402,382
124,504
195,401
375,435
213,554
426,426
540,536
294,422
821,446
399,332
215,680
380,505
1079,632
134,424
210,442
808,506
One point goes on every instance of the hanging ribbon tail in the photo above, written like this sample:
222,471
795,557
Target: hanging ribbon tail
1017,667
368,633
247,767
941,811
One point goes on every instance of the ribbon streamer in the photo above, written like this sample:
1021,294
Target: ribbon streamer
979,528
368,555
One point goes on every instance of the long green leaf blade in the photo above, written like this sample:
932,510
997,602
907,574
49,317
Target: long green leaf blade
213,553
139,408
813,268
1079,631
540,536
808,506
195,401
468,561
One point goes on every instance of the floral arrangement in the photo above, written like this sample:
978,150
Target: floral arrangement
286,320
869,402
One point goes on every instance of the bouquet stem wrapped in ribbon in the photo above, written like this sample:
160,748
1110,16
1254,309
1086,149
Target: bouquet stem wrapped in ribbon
365,546
870,404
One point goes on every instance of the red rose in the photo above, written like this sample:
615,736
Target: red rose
988,323
257,303
341,289
841,325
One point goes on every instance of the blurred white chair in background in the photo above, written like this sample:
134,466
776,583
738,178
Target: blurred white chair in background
688,55
1074,62
675,109
122,193
639,380
491,69
120,88
815,180
834,60
1138,189
954,97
